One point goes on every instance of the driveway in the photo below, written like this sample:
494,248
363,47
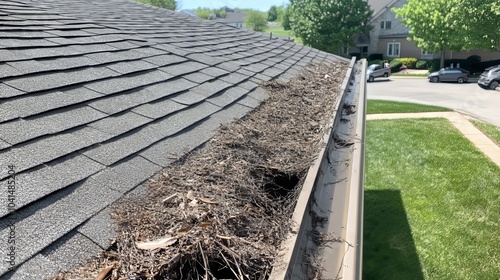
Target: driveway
465,98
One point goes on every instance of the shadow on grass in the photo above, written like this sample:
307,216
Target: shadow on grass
388,248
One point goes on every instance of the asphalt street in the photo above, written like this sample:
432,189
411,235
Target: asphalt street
467,98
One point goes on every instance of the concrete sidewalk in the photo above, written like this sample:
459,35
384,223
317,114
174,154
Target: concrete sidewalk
481,141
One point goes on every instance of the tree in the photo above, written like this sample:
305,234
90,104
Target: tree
478,23
256,20
167,4
285,21
329,24
272,14
440,25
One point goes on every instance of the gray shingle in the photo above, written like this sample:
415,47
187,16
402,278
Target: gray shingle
51,64
250,102
35,184
121,147
7,91
201,92
229,66
124,83
234,78
131,66
120,102
259,94
4,145
180,121
7,71
159,109
183,68
49,148
20,43
22,130
167,59
198,77
36,268
100,229
60,79
166,151
214,71
47,220
86,40
38,103
248,85
119,124
69,251
206,59
228,96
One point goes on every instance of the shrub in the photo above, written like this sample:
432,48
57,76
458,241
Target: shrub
421,64
474,59
434,65
481,66
357,55
410,62
376,61
376,56
395,65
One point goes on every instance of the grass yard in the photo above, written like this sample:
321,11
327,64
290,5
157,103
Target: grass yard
409,75
383,107
432,206
279,31
490,130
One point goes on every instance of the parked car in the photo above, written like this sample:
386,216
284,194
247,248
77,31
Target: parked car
447,74
377,71
490,79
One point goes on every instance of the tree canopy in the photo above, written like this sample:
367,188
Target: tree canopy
256,20
439,25
329,24
167,4
272,14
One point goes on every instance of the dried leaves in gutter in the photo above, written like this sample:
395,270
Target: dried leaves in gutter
222,211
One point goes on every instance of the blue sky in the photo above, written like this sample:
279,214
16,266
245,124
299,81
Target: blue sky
262,5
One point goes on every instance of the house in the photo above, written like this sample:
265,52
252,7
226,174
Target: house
98,96
233,19
389,37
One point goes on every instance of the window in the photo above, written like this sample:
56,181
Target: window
386,24
393,49
427,52
345,50
364,49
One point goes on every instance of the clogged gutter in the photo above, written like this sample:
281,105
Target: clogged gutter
222,211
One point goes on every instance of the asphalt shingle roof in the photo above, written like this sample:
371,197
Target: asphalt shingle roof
98,96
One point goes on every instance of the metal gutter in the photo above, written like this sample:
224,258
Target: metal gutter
326,236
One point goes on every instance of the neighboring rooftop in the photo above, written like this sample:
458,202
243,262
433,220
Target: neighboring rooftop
98,96
378,5
232,17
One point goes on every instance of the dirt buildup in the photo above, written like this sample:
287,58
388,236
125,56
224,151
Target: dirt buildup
222,211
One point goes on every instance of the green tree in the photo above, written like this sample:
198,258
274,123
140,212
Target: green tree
255,20
329,24
285,21
167,4
272,14
478,23
440,25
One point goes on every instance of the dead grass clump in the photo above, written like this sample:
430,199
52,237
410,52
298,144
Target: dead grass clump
222,211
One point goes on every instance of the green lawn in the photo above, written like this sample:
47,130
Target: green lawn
383,106
490,130
432,206
409,75
279,31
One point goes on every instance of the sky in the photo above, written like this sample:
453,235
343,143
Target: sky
262,5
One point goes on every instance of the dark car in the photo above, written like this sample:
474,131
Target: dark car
376,71
458,75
